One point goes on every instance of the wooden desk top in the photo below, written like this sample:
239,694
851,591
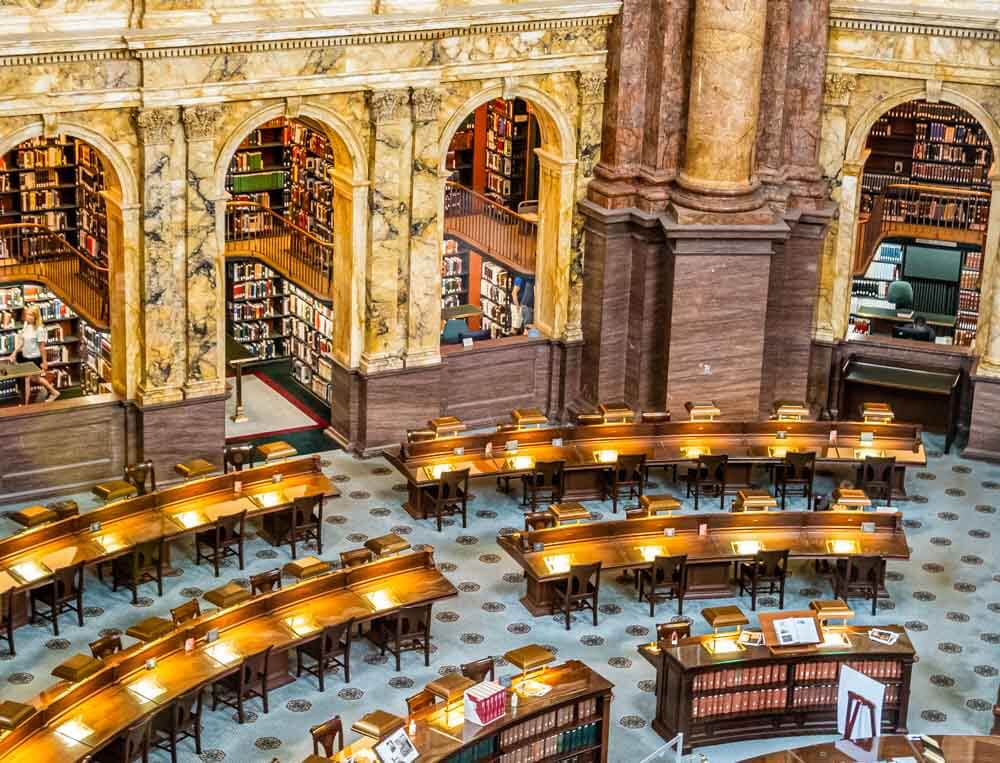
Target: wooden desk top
127,523
636,542
960,749
105,704
18,370
435,741
662,443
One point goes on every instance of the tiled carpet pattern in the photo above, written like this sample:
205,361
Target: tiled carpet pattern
947,595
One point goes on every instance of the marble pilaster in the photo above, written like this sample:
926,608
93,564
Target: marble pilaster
988,334
164,272
126,299
350,209
556,205
426,217
206,346
773,82
388,258
842,264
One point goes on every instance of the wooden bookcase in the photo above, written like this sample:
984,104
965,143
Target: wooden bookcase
757,693
495,285
455,274
57,182
507,145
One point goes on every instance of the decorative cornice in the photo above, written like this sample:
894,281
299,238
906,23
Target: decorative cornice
592,86
923,28
156,126
83,56
426,104
387,105
200,121
839,88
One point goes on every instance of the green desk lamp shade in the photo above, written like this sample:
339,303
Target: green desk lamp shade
901,295
452,329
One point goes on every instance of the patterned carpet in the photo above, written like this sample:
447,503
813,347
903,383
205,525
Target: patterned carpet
947,595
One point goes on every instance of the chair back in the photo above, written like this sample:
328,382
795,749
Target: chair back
237,457
302,511
254,665
333,634
582,574
68,582
480,670
450,483
187,709
713,467
799,466
548,475
140,474
106,646
146,555
538,520
772,564
356,557
327,734
187,611
410,620
877,469
866,568
669,569
630,469
229,527
665,631
420,701
136,741
266,582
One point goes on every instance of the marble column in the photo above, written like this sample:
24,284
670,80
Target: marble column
843,261
556,203
988,334
126,297
164,273
350,209
772,90
723,105
423,346
205,320
390,232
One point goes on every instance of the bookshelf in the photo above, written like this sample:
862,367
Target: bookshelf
285,165
74,349
495,285
454,274
507,144
757,692
57,182
460,160
276,320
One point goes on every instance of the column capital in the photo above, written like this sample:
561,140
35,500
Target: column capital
388,105
839,88
592,84
200,121
156,126
426,104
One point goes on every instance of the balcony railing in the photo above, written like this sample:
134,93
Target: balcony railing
509,237
922,211
257,231
30,252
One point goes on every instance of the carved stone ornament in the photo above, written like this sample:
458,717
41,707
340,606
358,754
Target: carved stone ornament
200,121
387,105
592,87
50,125
426,104
840,86
156,125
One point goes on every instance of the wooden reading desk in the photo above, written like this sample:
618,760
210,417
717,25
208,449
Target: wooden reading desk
634,543
957,749
104,703
169,513
665,444
759,691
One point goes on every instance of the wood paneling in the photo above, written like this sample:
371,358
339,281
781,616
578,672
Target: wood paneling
984,428
181,431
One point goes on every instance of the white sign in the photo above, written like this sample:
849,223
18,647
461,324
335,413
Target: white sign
868,689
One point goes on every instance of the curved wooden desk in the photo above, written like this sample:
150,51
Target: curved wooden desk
170,513
957,749
104,703
634,543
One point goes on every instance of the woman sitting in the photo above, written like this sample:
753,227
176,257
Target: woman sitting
29,347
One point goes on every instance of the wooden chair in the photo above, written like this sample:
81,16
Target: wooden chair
420,701
307,522
143,565
449,496
798,472
106,646
7,620
708,475
859,574
143,476
247,681
625,479
405,630
326,734
266,582
667,575
770,567
237,457
131,745
64,592
666,631
223,540
332,648
996,716
189,610
480,670
545,482
875,477
578,590
538,520
179,721
356,557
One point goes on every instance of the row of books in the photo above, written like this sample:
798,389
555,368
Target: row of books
309,311
973,261
557,744
250,270
553,719
452,265
11,298
970,213
890,253
40,178
727,679
96,350
880,669
43,156
248,161
262,289
943,173
31,200
969,279
944,152
875,182
255,311
961,134
268,349
254,332
55,221
481,750
933,111
968,301
707,705
815,696
885,271
310,338
262,181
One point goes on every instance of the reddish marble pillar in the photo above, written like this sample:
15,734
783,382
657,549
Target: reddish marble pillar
770,128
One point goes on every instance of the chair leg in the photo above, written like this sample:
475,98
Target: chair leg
173,745
216,558
781,595
321,670
680,602
874,599
594,607
292,542
241,553
427,651
55,612
79,608
652,604
753,595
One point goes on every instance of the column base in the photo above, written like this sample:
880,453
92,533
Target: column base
377,363
984,427
422,358
209,388
158,395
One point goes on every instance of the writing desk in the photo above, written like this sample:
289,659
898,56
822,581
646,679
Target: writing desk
634,543
961,749
171,513
105,704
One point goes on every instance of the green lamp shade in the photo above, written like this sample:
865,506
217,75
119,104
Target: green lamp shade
900,294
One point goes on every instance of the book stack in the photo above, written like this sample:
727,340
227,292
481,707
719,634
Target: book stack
485,702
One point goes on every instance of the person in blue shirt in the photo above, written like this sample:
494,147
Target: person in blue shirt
522,303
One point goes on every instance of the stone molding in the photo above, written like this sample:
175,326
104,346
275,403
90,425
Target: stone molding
156,126
592,86
925,28
200,121
387,105
426,104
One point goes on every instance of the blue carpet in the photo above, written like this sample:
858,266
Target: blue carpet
947,595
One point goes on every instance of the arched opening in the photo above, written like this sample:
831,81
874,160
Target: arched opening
61,259
289,246
922,226
508,169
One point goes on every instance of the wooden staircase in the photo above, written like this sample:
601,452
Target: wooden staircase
506,236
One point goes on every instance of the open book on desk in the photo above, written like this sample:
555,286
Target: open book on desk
796,631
